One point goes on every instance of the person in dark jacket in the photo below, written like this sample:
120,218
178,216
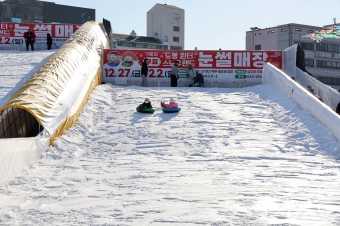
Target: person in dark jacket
145,104
49,41
174,74
144,71
29,39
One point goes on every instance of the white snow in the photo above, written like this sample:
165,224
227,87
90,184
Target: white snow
246,156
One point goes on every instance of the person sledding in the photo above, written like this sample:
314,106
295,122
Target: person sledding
171,104
145,104
145,107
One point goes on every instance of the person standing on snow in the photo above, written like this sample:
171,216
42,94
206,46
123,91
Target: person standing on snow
49,41
144,71
191,74
174,74
29,39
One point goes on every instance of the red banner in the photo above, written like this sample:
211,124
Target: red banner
199,59
223,66
12,33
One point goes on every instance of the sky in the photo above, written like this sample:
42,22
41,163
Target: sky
231,156
214,24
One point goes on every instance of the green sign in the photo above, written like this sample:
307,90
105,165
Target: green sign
240,71
240,76
182,73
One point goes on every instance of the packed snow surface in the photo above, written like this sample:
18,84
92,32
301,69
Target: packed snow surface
243,156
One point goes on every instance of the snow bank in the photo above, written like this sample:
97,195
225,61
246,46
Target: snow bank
19,154
280,81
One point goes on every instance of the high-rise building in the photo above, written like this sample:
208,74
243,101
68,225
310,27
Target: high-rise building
166,22
322,59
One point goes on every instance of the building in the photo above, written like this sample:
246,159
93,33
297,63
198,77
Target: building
132,41
33,11
322,59
166,22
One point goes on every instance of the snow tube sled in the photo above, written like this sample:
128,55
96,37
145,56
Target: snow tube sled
171,110
197,85
145,110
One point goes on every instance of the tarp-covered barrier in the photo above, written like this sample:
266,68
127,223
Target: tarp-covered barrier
282,82
57,92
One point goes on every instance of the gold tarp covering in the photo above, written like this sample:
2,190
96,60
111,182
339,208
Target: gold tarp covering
58,91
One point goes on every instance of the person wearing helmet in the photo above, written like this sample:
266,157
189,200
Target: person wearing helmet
145,104
171,104
312,91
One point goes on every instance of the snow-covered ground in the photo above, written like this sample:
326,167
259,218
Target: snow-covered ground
247,156
16,67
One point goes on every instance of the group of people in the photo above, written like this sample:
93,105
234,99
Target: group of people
29,37
174,74
147,104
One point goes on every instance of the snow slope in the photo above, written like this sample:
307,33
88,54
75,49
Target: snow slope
247,156
16,67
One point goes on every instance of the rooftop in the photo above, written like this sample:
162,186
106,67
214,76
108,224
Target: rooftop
130,38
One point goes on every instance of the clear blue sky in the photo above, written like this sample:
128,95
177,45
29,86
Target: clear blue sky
214,24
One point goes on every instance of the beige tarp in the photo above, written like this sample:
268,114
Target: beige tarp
58,91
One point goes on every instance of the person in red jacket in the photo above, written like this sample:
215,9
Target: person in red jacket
29,39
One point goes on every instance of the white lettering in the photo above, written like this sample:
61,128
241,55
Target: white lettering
259,58
205,60
3,26
7,33
20,30
59,31
64,31
68,30
242,59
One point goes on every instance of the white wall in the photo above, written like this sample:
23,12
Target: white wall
282,82
268,41
160,19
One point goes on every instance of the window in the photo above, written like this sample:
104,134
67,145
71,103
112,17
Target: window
175,39
307,46
329,81
55,22
297,29
310,31
38,21
142,45
175,47
176,16
328,47
16,19
328,64
176,28
257,47
258,33
309,62
271,31
284,29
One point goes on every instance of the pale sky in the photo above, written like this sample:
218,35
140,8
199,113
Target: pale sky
214,24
